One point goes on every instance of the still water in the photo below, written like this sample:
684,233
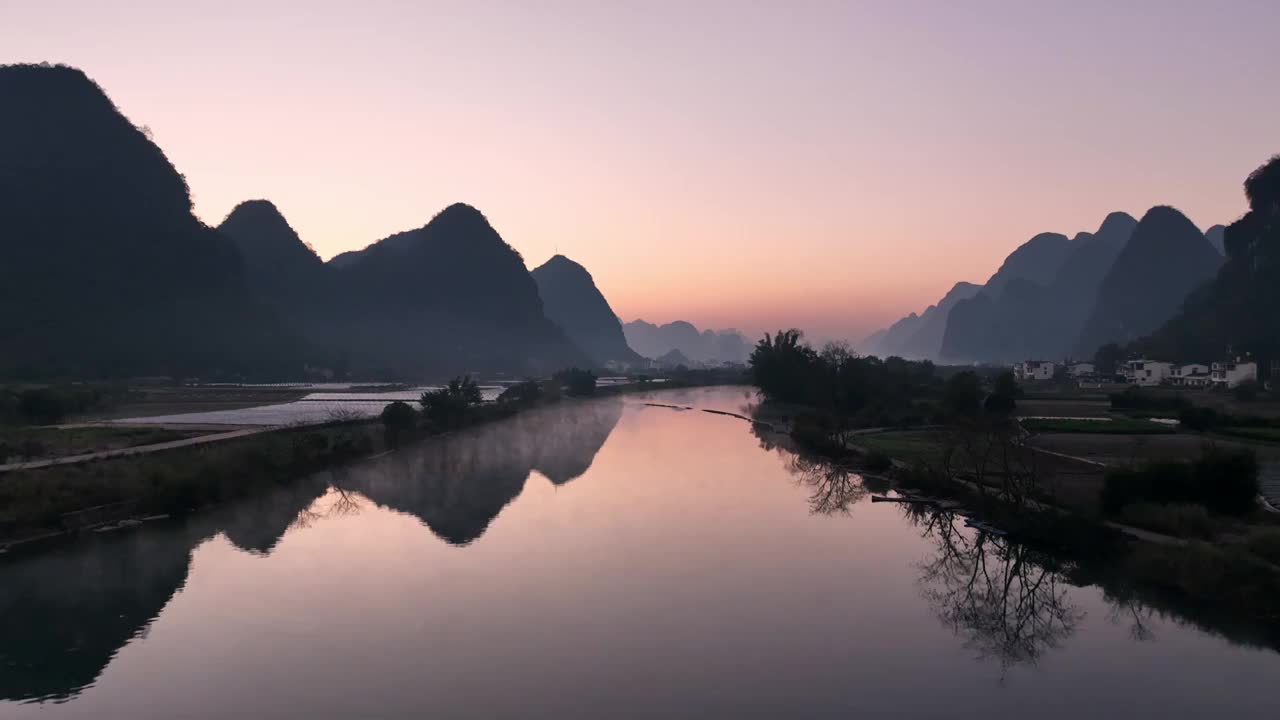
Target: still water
605,559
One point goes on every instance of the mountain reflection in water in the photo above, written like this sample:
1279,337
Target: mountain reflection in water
66,611
694,570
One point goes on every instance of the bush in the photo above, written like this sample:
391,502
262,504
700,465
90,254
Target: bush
1134,399
528,392
447,407
1199,418
577,382
1180,520
398,419
1265,543
1247,391
1222,481
877,462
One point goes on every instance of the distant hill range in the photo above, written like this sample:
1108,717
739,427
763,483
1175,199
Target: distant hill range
448,297
1056,297
1166,258
1235,312
710,347
573,302
104,270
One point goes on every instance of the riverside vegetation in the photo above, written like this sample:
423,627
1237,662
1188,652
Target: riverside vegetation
59,499
1216,546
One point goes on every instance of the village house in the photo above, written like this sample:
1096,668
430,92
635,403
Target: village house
1081,369
1034,370
1233,373
1146,372
1190,375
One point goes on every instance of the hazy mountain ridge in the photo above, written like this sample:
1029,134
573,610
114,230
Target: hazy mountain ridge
1234,312
1044,304
1164,261
708,346
572,301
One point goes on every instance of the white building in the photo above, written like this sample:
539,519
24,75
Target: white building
1190,375
1034,370
1081,369
1233,373
1146,372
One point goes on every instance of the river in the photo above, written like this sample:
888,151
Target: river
600,559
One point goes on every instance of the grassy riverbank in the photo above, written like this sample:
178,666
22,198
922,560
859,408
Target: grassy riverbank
60,499
1191,558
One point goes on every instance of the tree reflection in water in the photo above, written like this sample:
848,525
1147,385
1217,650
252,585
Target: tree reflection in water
833,488
998,595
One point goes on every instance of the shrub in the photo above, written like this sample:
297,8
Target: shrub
1265,543
1134,399
528,392
398,419
877,462
1222,481
1199,418
577,382
1179,519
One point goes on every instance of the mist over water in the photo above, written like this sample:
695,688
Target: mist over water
594,559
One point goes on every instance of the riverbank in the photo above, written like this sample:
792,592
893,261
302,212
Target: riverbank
55,500
1232,573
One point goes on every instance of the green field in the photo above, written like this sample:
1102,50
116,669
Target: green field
1254,433
32,443
1108,427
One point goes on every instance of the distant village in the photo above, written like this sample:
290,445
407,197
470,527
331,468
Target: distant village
1143,373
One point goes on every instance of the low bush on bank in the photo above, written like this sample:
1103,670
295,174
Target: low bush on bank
1179,519
1235,581
877,462
1221,481
1134,399
1265,543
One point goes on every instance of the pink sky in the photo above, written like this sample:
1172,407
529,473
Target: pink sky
747,164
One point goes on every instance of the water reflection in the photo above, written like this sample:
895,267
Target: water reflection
457,487
65,611
1002,598
832,488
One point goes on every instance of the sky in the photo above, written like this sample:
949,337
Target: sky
825,165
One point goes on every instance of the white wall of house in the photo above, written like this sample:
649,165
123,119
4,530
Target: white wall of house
1147,372
1190,375
1232,374
1034,370
1078,369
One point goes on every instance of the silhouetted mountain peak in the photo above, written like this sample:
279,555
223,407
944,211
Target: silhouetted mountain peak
1164,260
89,205
1118,223
572,301
1216,237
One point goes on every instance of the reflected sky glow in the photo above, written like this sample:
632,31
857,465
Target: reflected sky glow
602,559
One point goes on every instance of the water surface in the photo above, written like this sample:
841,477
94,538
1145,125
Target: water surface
597,559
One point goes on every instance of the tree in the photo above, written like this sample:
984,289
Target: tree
397,420
447,407
1107,359
1001,401
963,394
577,382
528,392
